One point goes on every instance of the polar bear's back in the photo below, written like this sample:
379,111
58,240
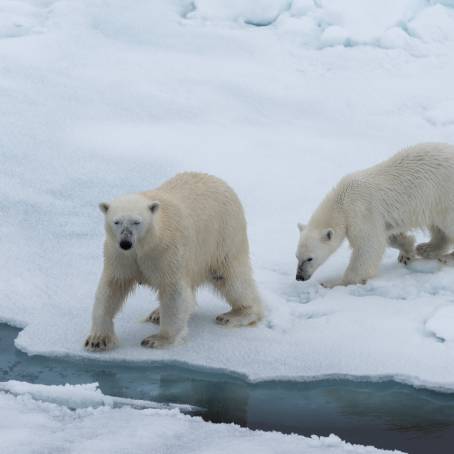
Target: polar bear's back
420,159
412,188
421,167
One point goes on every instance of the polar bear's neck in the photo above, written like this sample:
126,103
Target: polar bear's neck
329,214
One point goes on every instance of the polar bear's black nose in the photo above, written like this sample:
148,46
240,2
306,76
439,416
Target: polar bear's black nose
125,244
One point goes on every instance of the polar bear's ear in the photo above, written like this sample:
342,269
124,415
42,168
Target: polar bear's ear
301,227
327,234
154,207
104,207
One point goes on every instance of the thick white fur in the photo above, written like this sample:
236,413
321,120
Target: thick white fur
375,207
188,232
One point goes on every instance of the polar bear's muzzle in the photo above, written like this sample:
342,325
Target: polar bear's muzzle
302,274
302,277
126,240
125,245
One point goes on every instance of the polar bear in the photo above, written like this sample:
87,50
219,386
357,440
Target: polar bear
376,207
188,232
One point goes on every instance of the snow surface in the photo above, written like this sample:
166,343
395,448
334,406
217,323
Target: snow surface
28,425
98,100
440,324
402,24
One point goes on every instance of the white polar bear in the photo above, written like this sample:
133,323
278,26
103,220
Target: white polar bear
375,207
188,232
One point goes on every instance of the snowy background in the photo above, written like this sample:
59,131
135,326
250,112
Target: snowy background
280,98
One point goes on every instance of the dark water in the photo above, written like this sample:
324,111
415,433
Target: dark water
386,415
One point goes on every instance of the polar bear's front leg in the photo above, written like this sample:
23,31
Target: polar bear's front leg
110,295
175,308
405,244
366,256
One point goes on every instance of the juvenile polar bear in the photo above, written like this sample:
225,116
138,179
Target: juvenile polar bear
375,207
188,232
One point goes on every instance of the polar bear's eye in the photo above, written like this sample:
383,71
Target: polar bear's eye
309,259
117,222
136,223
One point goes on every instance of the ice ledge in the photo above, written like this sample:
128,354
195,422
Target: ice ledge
82,396
51,427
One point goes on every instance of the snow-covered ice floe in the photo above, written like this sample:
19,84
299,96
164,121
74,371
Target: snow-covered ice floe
30,423
99,100
378,331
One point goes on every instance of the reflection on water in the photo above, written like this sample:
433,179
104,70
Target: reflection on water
387,415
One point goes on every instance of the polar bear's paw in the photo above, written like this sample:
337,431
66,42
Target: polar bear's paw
238,318
429,251
447,259
154,317
156,341
100,342
405,259
331,283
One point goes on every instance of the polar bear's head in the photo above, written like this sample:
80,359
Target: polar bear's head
314,248
128,219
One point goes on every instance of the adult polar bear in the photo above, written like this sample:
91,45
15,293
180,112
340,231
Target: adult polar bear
188,232
375,207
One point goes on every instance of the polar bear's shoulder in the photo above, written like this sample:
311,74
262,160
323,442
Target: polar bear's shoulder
192,179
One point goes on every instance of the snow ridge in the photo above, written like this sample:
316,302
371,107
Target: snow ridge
326,23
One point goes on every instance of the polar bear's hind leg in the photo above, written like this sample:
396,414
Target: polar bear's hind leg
239,289
437,247
154,317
